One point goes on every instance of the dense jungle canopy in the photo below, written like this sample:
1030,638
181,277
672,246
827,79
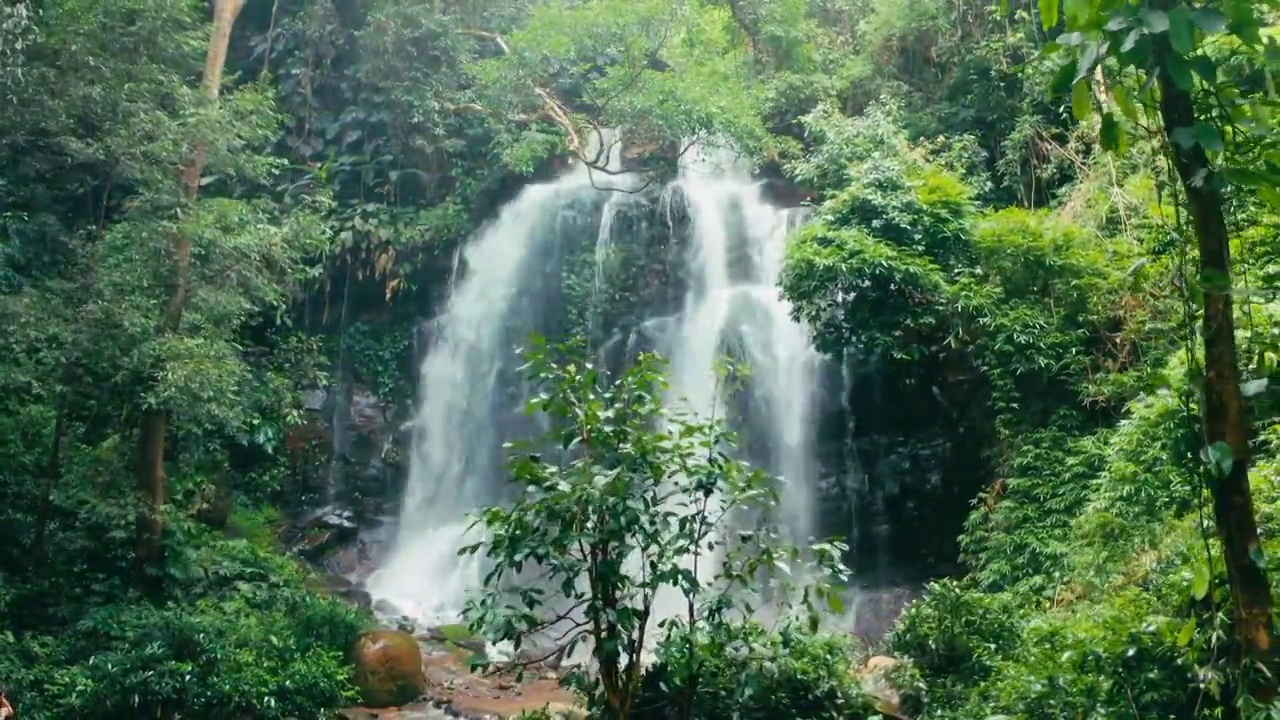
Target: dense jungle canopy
1043,236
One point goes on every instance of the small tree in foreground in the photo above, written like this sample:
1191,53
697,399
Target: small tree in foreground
620,526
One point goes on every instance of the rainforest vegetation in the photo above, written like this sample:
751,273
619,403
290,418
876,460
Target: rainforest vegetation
1053,227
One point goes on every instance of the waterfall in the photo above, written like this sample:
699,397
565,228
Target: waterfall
733,307
456,468
733,243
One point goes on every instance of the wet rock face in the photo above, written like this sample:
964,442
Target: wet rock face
316,534
389,668
875,611
349,446
343,589
905,454
361,555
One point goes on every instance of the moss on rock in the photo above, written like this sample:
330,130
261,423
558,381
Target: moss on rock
388,668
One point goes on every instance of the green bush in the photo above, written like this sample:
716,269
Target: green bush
748,672
857,291
955,636
241,637
1117,658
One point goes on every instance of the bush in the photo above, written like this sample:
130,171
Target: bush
244,637
747,672
623,514
1117,658
955,636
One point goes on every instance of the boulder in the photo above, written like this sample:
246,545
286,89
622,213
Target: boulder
876,676
453,636
343,589
322,531
877,609
388,668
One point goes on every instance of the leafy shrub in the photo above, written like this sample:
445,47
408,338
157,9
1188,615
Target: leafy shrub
954,636
1019,536
924,209
1117,658
244,637
746,671
857,291
1151,477
627,504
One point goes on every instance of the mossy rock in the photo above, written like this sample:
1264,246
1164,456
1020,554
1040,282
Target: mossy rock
456,634
388,668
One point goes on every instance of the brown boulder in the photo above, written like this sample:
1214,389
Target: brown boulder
388,668
875,677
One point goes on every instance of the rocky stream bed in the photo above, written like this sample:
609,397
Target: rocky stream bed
424,673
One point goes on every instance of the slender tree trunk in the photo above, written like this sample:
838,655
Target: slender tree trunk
1221,402
149,549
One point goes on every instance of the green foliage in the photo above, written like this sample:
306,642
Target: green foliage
1209,47
955,637
666,72
381,354
1115,657
898,264
857,291
92,207
1019,536
745,670
625,514
246,638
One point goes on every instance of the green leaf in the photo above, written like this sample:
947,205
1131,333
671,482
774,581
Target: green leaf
1180,72
1088,58
1131,40
1208,135
1250,388
1081,100
1155,21
1187,632
1124,101
835,603
1246,177
1218,457
1183,137
1204,66
1181,30
1247,30
1077,12
1111,134
1117,23
1070,39
1211,20
1199,582
1063,79
1048,13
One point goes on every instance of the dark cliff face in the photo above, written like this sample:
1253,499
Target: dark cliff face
904,457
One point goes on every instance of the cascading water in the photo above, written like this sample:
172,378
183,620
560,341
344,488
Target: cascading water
733,242
456,465
734,308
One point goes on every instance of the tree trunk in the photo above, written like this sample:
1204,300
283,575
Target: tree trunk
149,550
1222,403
